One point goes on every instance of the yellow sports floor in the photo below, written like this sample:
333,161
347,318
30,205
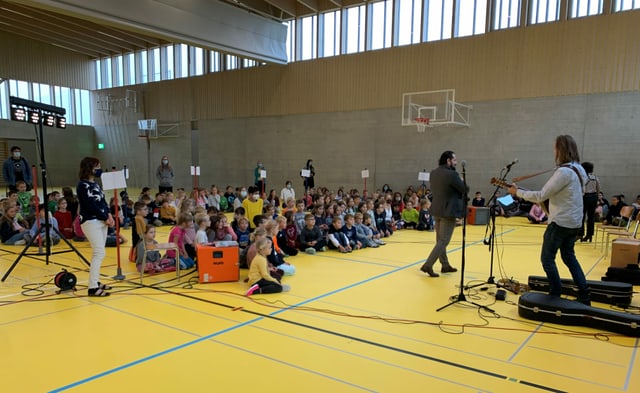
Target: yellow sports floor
364,321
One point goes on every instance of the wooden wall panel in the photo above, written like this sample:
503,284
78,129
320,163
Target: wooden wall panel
589,55
32,61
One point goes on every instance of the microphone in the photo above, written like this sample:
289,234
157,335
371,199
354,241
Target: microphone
464,163
511,164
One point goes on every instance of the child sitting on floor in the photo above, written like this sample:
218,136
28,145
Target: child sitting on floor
311,237
287,234
260,280
425,220
244,240
276,258
202,222
337,239
65,219
153,261
365,234
177,235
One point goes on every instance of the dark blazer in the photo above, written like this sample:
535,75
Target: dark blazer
448,191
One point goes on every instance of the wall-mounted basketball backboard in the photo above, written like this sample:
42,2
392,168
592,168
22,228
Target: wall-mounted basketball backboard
433,108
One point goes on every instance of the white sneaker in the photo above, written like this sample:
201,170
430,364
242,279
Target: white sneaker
20,243
310,250
286,287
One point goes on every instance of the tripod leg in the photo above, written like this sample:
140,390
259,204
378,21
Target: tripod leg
72,247
24,251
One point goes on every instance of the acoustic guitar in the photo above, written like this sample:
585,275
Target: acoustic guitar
503,184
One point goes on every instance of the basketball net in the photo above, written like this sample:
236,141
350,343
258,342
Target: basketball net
422,123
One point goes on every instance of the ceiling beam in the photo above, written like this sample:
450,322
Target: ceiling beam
61,31
260,7
288,6
208,24
34,35
310,4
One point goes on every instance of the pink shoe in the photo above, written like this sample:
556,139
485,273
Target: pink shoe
251,290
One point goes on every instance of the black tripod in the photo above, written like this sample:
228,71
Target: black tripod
461,297
42,109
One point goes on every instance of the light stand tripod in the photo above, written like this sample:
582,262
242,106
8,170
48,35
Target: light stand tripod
461,297
41,109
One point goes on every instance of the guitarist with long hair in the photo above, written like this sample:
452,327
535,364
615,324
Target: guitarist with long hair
564,191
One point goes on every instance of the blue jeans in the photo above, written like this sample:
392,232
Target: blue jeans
13,239
444,227
560,238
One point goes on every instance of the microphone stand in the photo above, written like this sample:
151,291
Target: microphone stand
461,297
492,204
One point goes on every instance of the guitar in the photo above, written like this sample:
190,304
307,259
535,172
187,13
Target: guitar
503,184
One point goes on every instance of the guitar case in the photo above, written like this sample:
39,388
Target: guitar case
629,274
546,308
611,292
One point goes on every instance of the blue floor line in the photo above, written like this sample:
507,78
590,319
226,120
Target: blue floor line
631,363
189,343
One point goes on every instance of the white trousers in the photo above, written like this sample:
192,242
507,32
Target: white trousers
96,233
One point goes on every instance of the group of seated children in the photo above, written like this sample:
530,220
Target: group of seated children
312,230
16,230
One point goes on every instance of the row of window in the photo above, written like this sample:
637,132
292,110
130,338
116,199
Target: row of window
76,102
163,63
371,26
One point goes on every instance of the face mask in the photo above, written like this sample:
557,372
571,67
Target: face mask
243,194
256,196
398,198
16,154
260,165
289,186
97,172
165,162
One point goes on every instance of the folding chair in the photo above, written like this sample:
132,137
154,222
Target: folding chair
625,213
622,233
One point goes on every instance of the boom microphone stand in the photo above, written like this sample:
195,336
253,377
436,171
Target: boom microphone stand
41,108
461,297
492,204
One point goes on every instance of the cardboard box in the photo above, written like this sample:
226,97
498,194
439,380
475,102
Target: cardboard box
625,252
218,264
477,215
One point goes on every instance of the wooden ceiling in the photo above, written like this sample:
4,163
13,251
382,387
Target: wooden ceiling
74,34
95,39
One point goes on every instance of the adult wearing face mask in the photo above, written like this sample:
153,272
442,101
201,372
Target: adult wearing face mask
253,205
260,181
287,192
165,175
95,218
16,168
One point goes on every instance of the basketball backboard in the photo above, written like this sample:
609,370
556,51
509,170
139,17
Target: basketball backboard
438,106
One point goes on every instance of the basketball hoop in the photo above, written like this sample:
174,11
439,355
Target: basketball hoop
422,123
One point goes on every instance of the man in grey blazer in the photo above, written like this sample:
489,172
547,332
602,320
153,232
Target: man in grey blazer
448,193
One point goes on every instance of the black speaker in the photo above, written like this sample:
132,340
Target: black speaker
501,294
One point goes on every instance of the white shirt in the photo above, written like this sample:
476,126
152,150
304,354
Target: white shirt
287,193
564,191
